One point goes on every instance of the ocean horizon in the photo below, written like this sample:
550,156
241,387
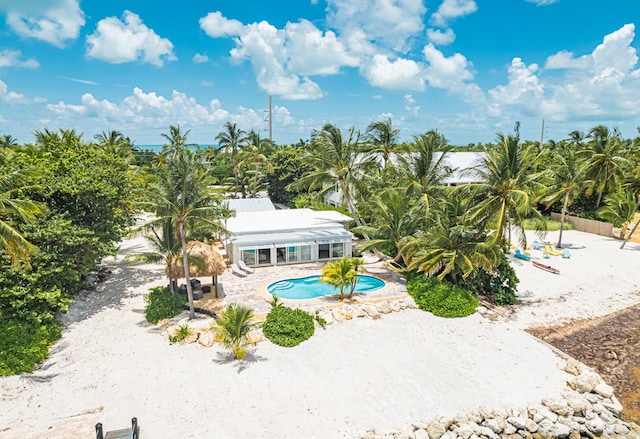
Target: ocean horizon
158,147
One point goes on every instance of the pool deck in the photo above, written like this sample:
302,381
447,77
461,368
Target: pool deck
252,290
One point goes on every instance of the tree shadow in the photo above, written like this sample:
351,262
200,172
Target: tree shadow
228,358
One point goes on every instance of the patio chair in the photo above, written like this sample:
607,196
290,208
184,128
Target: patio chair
245,267
566,254
522,256
537,245
236,270
124,433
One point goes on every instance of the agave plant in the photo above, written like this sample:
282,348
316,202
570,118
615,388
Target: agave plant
232,329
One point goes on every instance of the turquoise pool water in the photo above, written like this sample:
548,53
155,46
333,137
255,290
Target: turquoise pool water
310,288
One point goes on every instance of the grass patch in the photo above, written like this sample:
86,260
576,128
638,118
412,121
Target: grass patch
552,225
441,298
288,327
161,304
24,344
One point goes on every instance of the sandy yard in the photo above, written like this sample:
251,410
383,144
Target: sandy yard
353,376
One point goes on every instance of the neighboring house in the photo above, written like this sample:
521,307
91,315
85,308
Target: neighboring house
290,236
461,162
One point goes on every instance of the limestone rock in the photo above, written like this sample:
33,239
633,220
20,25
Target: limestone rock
359,312
191,338
578,403
436,429
371,310
518,422
586,382
595,426
420,434
530,425
604,390
493,425
205,339
326,315
558,406
384,308
572,367
395,306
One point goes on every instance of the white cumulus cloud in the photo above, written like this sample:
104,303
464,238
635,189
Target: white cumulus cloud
399,74
120,41
55,22
11,97
199,58
11,58
439,37
216,26
410,105
452,9
390,23
543,2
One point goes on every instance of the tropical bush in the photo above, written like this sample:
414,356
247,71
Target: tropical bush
181,334
552,225
25,343
441,298
233,327
288,327
499,285
162,304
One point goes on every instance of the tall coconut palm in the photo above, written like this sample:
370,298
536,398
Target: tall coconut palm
393,221
567,179
8,141
231,140
505,187
255,167
233,327
177,141
11,240
451,246
335,162
620,208
115,144
605,155
383,139
186,199
425,167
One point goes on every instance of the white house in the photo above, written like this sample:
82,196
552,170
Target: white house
288,236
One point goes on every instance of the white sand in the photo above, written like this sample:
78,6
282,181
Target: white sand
363,374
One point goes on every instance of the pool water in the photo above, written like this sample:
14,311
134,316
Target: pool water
310,288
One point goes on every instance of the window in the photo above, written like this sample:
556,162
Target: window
248,256
264,256
324,251
305,252
337,249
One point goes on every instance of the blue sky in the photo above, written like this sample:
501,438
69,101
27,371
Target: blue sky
469,68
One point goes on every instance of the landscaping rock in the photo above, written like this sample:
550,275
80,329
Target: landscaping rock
383,308
205,339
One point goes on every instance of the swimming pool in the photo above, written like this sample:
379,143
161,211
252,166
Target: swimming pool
310,288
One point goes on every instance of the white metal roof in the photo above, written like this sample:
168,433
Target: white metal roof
283,221
250,204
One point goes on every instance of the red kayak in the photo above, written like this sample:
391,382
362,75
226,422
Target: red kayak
548,268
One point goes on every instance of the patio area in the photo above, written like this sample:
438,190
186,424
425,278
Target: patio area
252,290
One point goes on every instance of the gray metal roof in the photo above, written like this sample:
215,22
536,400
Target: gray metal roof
250,204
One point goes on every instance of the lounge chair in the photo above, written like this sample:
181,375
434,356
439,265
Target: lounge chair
566,254
551,249
522,256
245,267
537,245
125,433
236,270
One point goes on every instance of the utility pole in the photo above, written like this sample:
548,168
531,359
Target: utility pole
542,134
270,121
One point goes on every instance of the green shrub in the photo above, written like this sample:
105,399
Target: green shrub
552,225
499,285
441,298
25,343
288,327
182,333
161,304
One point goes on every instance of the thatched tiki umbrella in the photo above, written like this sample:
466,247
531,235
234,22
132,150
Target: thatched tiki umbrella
208,262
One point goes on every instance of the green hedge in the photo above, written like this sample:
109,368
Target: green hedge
441,298
161,304
288,327
24,344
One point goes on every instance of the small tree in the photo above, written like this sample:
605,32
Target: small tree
342,275
233,327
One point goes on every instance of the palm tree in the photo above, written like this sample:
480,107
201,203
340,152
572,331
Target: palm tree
176,141
342,275
11,240
231,141
393,221
425,167
187,200
567,180
620,208
506,182
605,160
450,247
8,141
115,144
383,139
254,166
233,327
335,163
